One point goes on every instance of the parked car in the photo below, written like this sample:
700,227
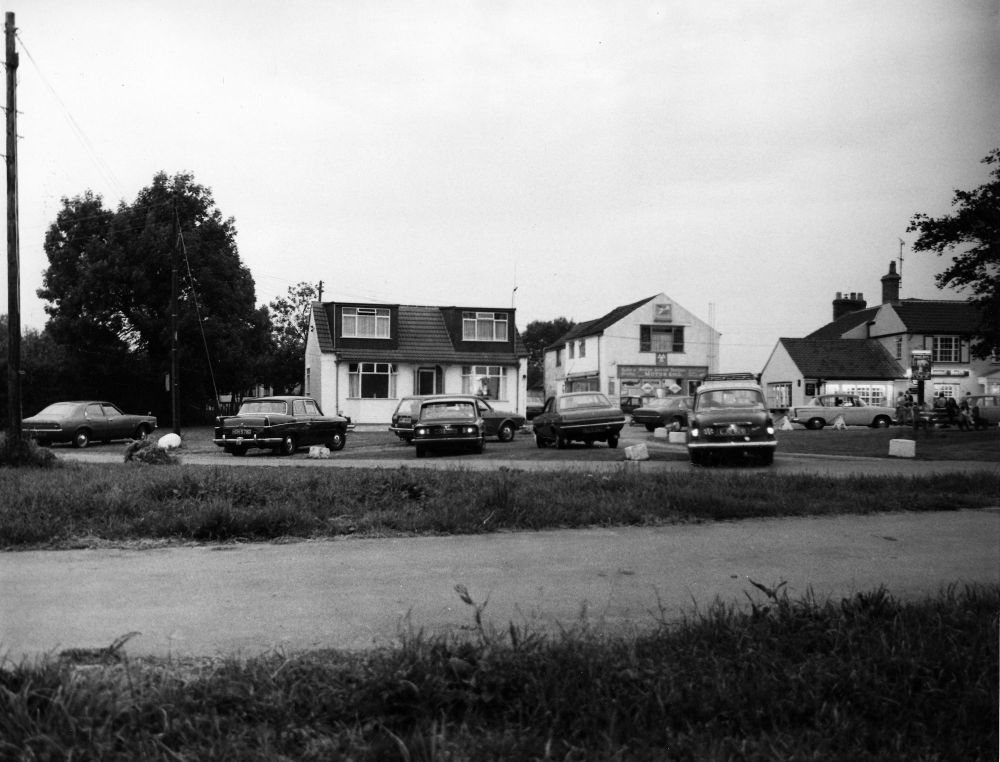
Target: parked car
669,412
447,423
84,421
630,402
730,415
989,408
581,416
499,423
826,408
535,403
282,424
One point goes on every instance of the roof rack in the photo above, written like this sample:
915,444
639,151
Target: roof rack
731,377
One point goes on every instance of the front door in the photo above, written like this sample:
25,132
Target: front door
426,381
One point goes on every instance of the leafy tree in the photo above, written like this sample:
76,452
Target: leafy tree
108,285
538,335
973,230
44,367
289,328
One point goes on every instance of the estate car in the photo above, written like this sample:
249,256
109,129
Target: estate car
499,423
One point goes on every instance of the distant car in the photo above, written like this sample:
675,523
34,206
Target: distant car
730,416
535,403
281,424
989,408
668,412
84,421
586,417
826,408
447,423
499,423
630,402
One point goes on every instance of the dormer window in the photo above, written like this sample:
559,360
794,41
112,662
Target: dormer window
365,322
484,326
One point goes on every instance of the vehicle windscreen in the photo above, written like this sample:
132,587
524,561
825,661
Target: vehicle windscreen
262,407
437,410
749,399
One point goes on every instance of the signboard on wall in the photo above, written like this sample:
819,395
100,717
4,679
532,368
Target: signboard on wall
920,364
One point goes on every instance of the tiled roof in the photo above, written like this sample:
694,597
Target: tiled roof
423,337
851,359
927,316
843,324
323,333
594,327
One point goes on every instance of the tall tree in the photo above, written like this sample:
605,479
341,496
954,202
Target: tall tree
289,328
973,233
538,335
108,285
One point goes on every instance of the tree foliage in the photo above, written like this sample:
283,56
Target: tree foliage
289,327
972,232
108,288
45,372
538,335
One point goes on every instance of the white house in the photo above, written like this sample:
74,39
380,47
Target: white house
654,346
362,358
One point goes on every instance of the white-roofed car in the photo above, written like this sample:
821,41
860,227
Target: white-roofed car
825,409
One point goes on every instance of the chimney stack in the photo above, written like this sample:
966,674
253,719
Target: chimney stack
890,285
846,303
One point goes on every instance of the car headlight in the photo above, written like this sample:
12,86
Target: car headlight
694,432
420,431
471,430
770,430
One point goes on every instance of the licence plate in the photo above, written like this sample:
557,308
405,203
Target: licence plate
242,432
404,419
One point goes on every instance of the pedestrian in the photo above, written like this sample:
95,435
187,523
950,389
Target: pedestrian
901,415
964,414
951,407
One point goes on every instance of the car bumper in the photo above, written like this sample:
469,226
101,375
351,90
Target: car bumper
247,441
741,445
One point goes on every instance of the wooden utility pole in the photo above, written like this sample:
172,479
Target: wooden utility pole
175,391
13,258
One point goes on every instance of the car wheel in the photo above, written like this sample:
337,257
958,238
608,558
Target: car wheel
650,427
881,422
676,424
479,446
336,441
540,441
561,442
613,441
698,457
766,458
815,424
239,451
421,451
142,432
287,446
506,432
81,439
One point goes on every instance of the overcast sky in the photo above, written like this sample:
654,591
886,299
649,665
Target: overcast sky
747,159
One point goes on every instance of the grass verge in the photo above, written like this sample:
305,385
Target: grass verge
865,678
78,506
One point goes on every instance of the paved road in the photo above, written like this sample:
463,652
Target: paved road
357,593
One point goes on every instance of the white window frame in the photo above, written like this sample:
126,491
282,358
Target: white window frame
356,376
365,322
484,326
496,380
951,353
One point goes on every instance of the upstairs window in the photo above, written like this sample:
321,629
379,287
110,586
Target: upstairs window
583,348
484,326
660,338
365,322
946,349
899,347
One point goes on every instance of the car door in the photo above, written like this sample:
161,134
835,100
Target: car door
544,421
119,424
304,427
491,421
96,421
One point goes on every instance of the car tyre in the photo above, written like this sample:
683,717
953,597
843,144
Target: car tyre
287,446
613,441
766,458
336,441
881,422
650,427
697,458
676,424
506,432
815,424
561,442
81,439
238,451
540,441
479,446
421,451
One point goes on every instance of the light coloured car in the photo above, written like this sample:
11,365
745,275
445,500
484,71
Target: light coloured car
825,409
988,409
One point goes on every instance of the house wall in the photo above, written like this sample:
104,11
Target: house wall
782,381
615,364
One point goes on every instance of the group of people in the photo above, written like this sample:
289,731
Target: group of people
964,414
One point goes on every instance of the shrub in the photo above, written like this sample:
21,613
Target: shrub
24,452
148,452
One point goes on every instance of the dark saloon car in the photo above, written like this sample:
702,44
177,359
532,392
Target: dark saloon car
730,416
449,423
499,423
280,424
668,412
84,421
586,417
